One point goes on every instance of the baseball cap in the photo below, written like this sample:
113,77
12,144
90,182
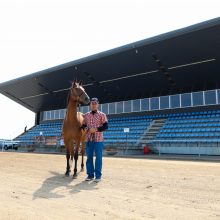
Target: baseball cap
94,100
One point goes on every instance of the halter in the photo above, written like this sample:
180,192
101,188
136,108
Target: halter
79,96
78,99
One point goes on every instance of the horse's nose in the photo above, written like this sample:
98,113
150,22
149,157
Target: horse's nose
87,99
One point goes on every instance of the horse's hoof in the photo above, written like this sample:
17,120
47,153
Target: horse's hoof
74,176
67,173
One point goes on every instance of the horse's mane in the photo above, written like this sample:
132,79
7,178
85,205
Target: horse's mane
68,98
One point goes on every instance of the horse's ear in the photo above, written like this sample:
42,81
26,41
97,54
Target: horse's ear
74,84
74,81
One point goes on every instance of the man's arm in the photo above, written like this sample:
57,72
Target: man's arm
103,127
99,129
84,125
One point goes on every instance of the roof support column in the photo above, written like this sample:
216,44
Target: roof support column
37,118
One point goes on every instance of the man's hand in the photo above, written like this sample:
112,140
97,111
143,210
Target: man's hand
92,130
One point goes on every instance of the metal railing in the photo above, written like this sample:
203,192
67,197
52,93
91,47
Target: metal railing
195,146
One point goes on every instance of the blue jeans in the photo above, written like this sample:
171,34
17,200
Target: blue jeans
90,148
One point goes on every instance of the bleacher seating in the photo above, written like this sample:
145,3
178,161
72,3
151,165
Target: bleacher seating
179,127
115,133
191,127
136,124
48,129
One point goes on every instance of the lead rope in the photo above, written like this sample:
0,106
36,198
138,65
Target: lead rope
79,107
79,111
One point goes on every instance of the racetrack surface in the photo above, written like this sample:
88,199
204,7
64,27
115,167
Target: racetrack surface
33,186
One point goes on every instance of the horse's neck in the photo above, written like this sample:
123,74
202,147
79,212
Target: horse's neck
72,110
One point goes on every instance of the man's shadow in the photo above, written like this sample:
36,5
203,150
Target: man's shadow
60,180
82,186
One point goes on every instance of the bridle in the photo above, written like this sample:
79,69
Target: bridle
79,96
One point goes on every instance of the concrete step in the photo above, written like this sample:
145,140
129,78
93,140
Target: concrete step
157,126
152,131
148,138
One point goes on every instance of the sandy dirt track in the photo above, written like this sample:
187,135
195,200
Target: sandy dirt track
33,187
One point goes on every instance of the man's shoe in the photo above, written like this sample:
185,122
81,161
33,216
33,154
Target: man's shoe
89,178
97,180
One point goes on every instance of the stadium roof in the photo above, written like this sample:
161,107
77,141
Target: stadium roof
180,61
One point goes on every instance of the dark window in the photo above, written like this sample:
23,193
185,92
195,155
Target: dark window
175,101
52,115
119,107
45,116
144,104
56,114
62,113
164,102
210,97
154,103
136,105
85,109
186,100
127,106
48,115
112,108
197,98
105,108
218,96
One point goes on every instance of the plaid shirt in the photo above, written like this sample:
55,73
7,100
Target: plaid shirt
94,121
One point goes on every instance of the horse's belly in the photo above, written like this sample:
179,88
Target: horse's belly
70,136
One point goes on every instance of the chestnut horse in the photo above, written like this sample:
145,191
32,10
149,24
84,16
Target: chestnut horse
72,133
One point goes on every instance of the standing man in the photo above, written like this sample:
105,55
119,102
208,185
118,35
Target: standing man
95,122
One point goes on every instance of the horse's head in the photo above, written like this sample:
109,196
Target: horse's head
78,93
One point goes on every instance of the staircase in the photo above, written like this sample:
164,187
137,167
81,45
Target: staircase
24,133
152,131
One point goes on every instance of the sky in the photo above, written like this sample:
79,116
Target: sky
35,35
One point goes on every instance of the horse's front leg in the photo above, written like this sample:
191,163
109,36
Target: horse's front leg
71,155
83,152
76,159
67,162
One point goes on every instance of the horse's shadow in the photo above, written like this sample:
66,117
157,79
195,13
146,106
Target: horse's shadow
60,180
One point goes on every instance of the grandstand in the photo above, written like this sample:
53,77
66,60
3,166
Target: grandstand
165,89
182,129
